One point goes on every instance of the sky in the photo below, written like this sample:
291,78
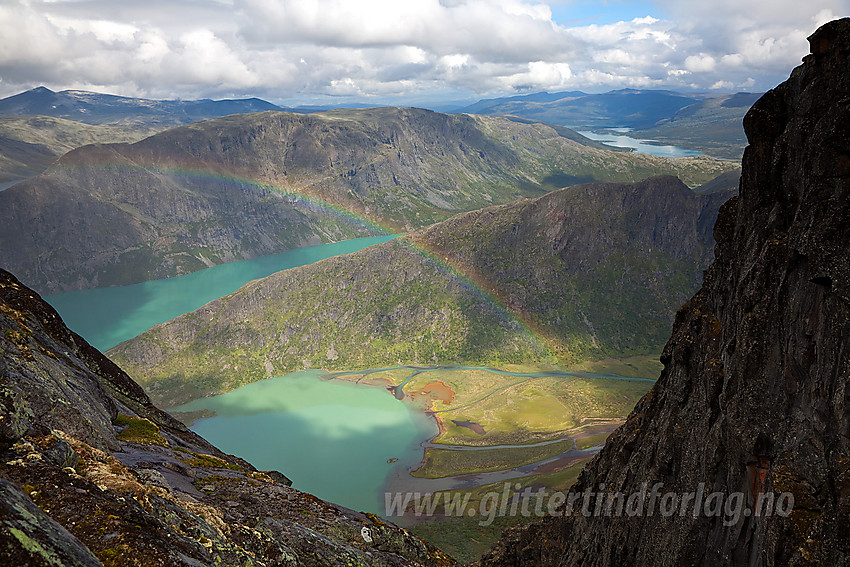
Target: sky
401,51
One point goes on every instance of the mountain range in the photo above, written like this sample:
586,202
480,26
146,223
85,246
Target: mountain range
30,144
710,123
581,273
671,117
253,184
713,126
98,108
39,125
622,108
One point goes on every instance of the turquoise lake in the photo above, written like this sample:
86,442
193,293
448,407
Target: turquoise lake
110,315
331,437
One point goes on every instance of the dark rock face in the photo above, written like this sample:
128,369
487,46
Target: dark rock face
754,396
53,379
91,473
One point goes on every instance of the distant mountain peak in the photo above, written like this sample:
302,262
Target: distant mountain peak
102,108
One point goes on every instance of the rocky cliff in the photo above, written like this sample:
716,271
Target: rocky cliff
91,473
753,399
248,185
584,272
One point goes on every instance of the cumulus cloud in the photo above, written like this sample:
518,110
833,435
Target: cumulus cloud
385,50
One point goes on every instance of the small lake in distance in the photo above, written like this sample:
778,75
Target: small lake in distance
617,137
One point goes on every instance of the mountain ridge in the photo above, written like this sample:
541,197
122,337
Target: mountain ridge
29,144
710,123
249,185
485,287
623,107
103,109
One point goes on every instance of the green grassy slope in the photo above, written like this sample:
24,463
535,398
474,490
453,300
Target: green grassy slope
586,272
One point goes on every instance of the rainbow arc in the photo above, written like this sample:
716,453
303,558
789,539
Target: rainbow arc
475,283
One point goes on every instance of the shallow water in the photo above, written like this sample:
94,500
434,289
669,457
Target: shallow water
333,438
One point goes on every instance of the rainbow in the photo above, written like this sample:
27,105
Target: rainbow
474,283
299,199
480,287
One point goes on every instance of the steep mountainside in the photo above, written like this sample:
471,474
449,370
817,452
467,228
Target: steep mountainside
99,108
754,395
248,185
91,473
586,271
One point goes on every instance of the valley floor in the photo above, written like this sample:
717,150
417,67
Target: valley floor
501,429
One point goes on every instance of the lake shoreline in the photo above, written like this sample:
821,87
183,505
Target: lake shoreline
421,400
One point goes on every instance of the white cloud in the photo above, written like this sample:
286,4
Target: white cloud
207,59
541,75
103,30
700,63
307,49
645,20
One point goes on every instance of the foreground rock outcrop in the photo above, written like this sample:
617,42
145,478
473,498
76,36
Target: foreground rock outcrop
753,398
91,473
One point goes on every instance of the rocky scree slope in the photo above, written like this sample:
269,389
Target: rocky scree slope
91,473
754,395
248,185
587,271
